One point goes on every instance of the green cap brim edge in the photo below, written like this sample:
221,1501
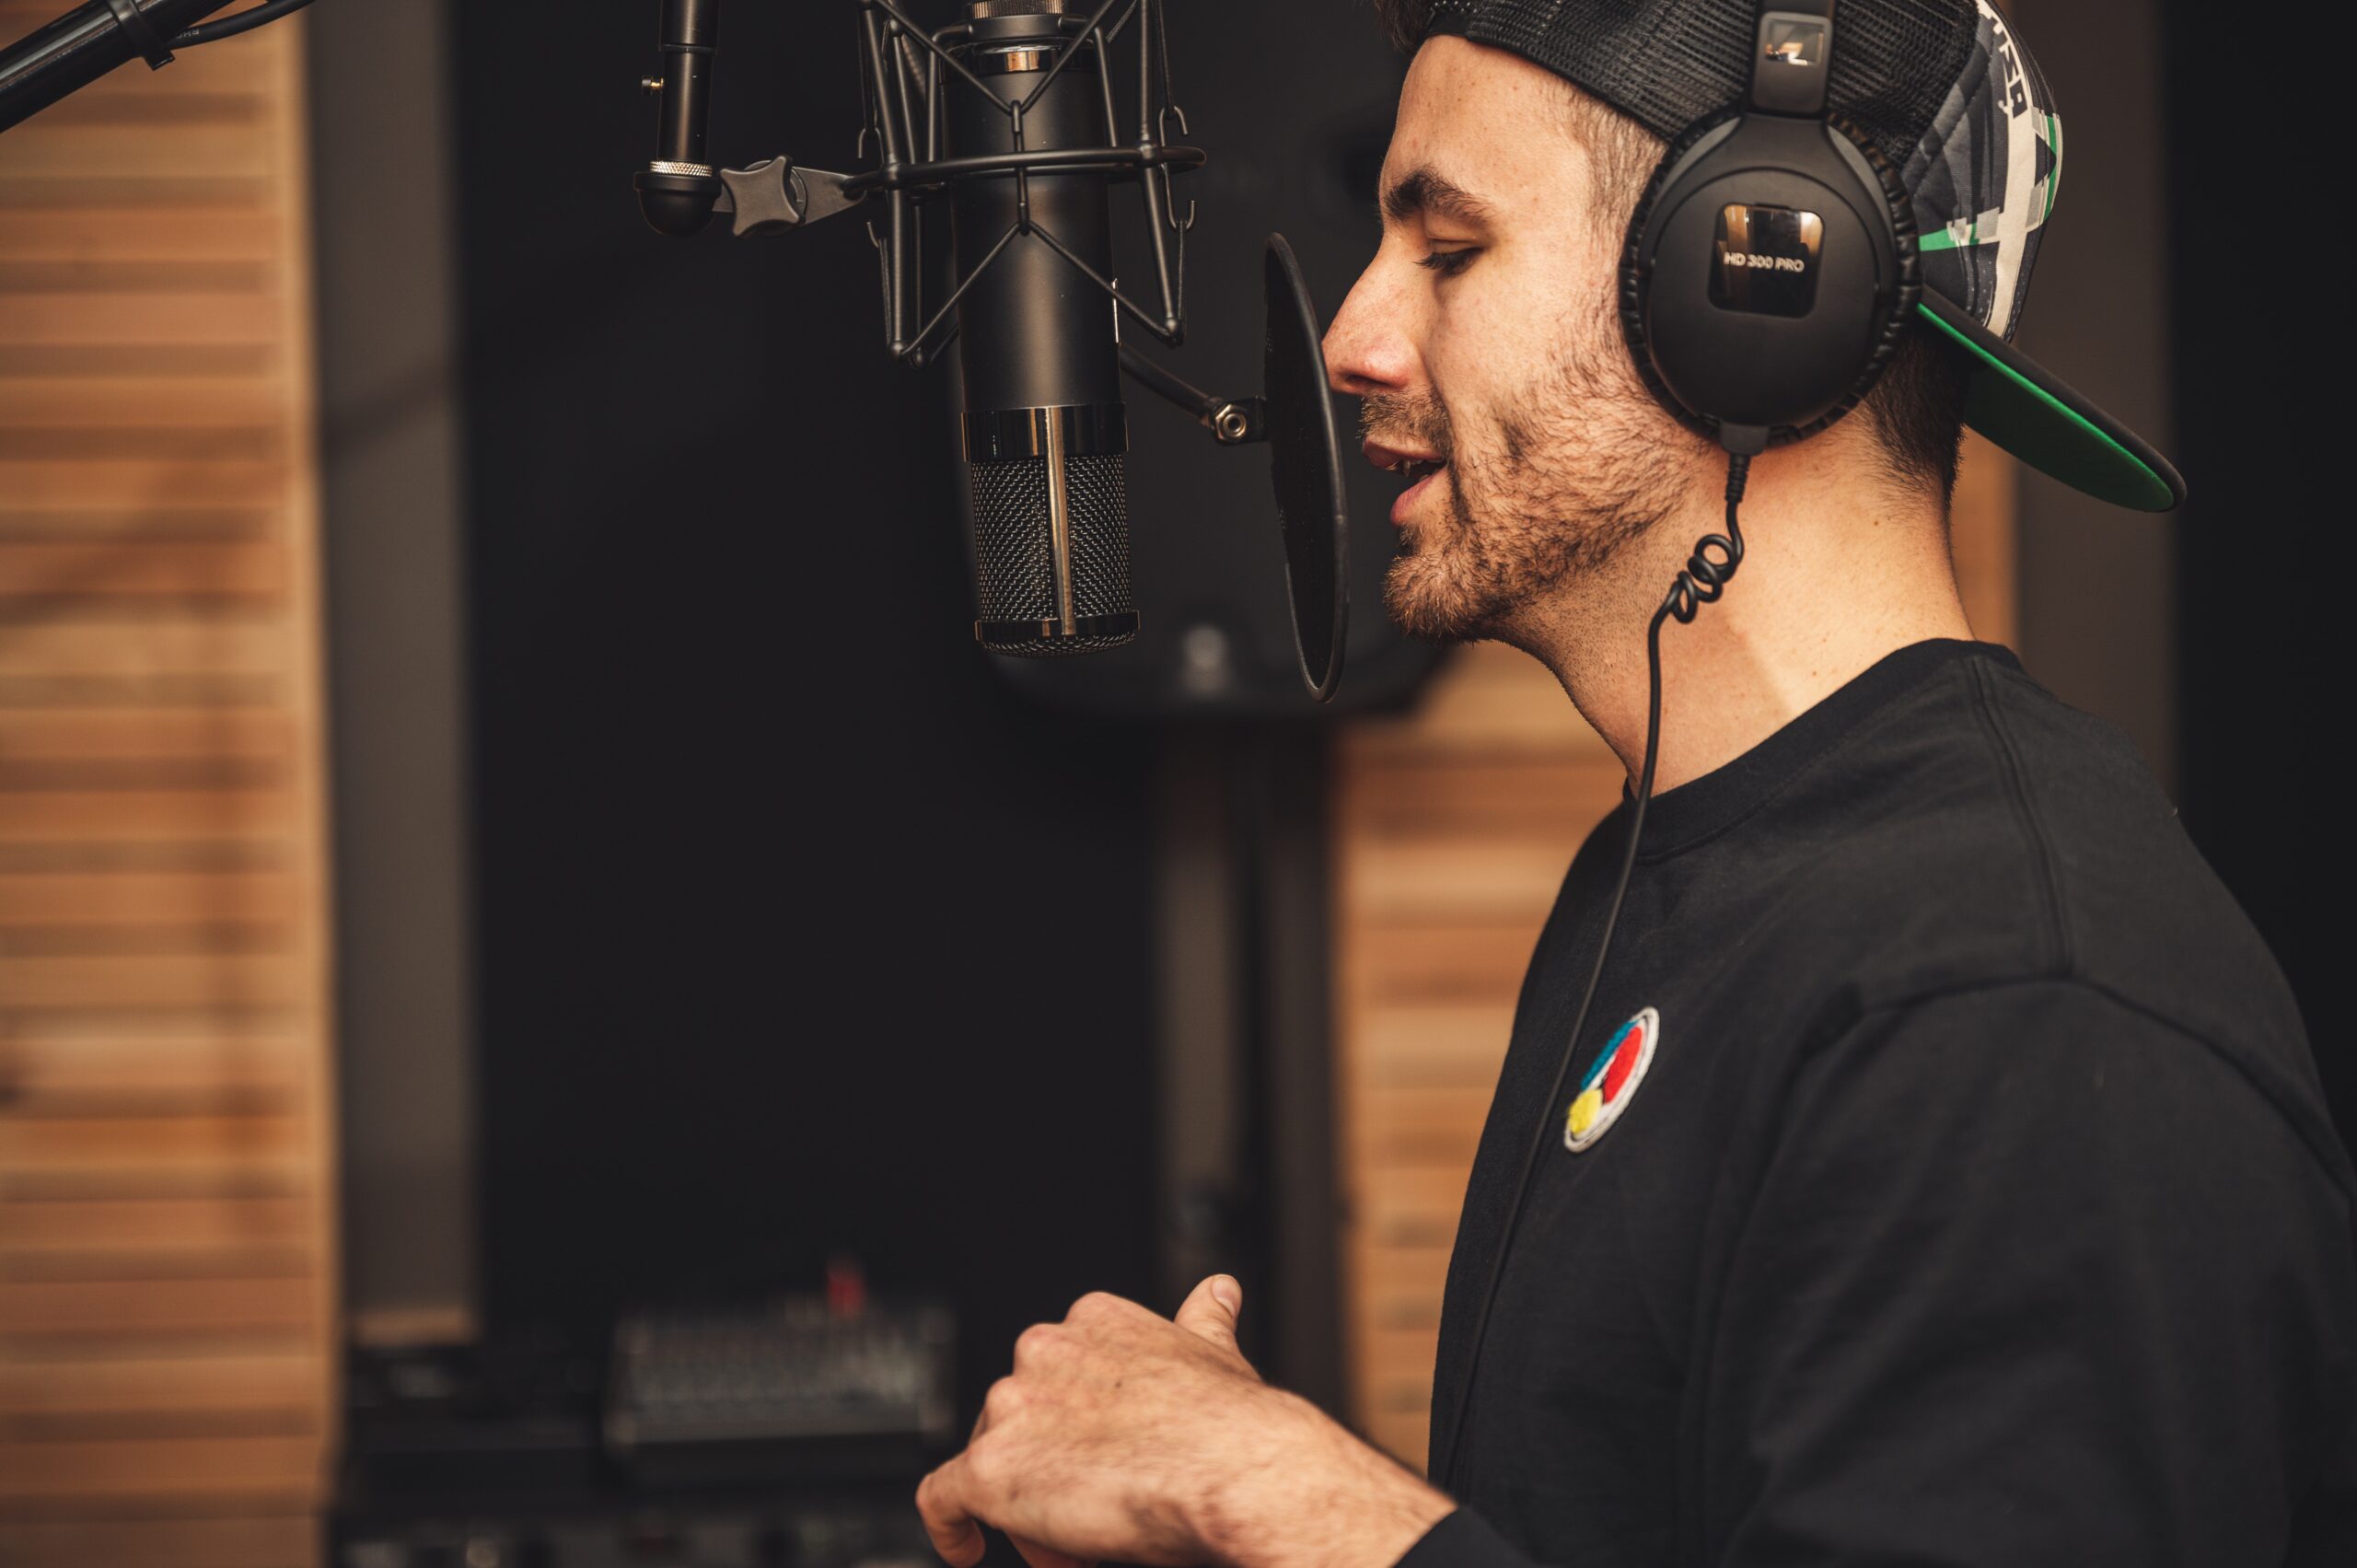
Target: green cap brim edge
2017,404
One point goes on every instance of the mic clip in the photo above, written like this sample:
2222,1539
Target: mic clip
773,195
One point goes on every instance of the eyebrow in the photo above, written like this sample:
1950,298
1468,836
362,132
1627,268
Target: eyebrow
1426,190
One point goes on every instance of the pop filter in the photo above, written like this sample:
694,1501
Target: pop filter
1306,469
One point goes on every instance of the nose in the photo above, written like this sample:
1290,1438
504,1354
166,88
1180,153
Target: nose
1367,347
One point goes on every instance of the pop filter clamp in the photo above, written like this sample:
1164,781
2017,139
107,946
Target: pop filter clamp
905,71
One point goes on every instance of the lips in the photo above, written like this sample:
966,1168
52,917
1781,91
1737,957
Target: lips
1417,465
1416,462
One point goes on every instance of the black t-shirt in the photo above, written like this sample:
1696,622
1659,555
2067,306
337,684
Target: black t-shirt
1962,1194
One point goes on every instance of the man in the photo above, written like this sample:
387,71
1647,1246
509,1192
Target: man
1957,1189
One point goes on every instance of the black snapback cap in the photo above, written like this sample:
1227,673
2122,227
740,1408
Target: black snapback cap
1946,92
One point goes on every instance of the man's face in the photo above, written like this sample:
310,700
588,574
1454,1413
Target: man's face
1483,339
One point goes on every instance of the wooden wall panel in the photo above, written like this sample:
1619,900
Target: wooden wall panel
166,1307
237,1540
1454,826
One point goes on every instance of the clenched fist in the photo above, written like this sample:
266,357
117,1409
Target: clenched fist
1124,1434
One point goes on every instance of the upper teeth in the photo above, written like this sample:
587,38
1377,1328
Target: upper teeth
1416,467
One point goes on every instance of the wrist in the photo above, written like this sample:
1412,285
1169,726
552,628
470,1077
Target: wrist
1303,1493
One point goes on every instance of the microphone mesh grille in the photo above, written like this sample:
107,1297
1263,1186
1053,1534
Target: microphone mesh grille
1011,547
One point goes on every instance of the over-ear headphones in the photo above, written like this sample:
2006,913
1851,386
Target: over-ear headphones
1770,265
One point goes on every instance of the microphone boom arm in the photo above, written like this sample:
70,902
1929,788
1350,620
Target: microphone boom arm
70,52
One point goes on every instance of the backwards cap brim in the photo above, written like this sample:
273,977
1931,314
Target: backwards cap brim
2021,406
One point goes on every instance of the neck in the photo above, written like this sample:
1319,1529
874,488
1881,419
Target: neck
1842,566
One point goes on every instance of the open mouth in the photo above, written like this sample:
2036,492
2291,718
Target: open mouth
1420,473
1419,468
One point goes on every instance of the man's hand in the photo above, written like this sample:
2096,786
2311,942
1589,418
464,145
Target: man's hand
1124,1434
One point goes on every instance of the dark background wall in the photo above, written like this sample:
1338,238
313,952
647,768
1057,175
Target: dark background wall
2098,315
799,932
2252,143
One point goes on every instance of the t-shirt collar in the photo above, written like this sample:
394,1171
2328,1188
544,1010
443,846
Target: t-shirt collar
1701,809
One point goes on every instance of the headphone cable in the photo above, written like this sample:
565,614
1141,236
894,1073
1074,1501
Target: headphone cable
1714,561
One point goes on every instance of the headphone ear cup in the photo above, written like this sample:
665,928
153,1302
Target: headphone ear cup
1880,191
1906,245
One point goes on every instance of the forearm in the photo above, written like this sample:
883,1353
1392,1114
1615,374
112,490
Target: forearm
1308,1495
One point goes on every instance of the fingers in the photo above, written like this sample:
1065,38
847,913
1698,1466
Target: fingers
1048,1556
1210,1311
958,1535
941,1503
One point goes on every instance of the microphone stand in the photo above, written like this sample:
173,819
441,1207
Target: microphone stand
66,56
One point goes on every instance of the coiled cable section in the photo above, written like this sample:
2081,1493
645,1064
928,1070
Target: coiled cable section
1715,557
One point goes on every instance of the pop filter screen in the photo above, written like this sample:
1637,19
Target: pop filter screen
1308,470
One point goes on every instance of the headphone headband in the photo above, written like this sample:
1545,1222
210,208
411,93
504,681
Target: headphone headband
1792,57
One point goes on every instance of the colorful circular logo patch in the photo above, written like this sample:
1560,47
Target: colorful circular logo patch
1612,1083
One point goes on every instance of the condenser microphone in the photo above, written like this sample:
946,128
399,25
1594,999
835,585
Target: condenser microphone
1008,117
1044,430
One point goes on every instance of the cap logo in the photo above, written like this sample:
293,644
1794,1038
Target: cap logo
1611,1083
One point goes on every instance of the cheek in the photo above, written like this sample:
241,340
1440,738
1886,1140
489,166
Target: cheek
1503,331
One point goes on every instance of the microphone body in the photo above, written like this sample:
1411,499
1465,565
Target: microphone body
678,187
1044,425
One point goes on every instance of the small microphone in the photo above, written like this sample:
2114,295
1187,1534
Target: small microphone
678,187
1044,427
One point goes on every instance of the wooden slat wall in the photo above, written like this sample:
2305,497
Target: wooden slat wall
1452,827
165,1257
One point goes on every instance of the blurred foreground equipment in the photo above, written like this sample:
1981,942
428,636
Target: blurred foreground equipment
797,1387
750,1437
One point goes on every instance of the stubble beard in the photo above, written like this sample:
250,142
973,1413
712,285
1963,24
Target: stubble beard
1549,498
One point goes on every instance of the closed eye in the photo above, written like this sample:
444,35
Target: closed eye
1448,264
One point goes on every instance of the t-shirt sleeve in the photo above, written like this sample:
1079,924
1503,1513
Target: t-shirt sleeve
2029,1277
1464,1540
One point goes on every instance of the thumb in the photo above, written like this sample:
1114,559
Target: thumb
1211,1310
